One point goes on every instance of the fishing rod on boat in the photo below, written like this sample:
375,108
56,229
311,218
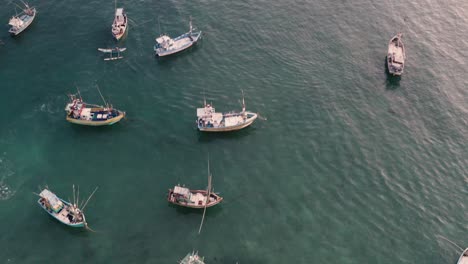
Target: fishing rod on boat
86,203
207,196
101,95
451,242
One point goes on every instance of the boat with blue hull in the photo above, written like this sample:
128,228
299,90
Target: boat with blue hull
22,20
81,113
208,120
166,45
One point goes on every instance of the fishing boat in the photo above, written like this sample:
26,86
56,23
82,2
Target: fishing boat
112,51
81,113
194,198
192,258
208,120
22,20
396,55
65,212
463,258
120,24
166,45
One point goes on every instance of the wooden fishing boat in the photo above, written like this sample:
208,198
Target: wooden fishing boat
165,45
396,55
194,198
120,24
115,50
22,20
81,113
463,258
65,212
192,258
210,121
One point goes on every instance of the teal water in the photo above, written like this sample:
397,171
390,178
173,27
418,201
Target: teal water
351,165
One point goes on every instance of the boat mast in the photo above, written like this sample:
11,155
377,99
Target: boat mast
86,203
208,193
190,24
101,94
243,102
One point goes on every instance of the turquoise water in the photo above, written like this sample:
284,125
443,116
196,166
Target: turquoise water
350,166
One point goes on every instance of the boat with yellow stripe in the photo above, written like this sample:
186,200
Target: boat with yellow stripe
82,113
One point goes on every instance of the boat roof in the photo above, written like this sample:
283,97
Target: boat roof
162,39
205,111
52,198
119,11
181,190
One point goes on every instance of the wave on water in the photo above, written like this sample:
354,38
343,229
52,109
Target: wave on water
6,192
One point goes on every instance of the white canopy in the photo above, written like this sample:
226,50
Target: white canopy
53,200
119,12
182,191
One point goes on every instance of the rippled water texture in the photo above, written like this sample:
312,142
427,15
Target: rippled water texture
351,165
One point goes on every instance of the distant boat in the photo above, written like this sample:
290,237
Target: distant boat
22,20
66,212
192,258
116,50
81,113
396,55
120,24
463,258
210,121
165,45
194,198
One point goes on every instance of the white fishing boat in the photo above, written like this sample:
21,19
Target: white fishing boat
115,50
208,120
82,113
166,45
396,55
120,24
67,213
22,20
463,258
192,258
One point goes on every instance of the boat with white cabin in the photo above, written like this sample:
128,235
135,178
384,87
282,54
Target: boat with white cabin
120,24
166,45
396,55
463,258
82,113
208,120
192,258
65,212
22,20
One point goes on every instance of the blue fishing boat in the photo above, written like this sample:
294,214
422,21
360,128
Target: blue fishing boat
208,120
65,212
22,20
165,45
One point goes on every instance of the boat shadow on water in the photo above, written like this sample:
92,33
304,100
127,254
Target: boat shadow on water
207,137
211,211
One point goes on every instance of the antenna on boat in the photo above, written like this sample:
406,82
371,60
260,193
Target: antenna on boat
101,95
208,193
243,101
78,195
74,198
78,90
190,24
86,203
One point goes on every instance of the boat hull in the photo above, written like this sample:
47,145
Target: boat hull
77,225
107,122
463,258
218,199
247,123
26,25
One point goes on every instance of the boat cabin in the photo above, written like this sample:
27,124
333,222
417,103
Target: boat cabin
164,42
51,201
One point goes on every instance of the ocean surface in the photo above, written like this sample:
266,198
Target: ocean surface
347,165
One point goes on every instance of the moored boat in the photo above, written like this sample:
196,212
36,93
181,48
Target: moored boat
65,212
396,55
166,45
22,20
463,258
81,113
192,258
112,51
120,24
208,120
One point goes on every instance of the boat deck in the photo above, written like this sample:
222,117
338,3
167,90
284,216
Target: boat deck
398,55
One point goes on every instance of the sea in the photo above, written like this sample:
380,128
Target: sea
346,164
